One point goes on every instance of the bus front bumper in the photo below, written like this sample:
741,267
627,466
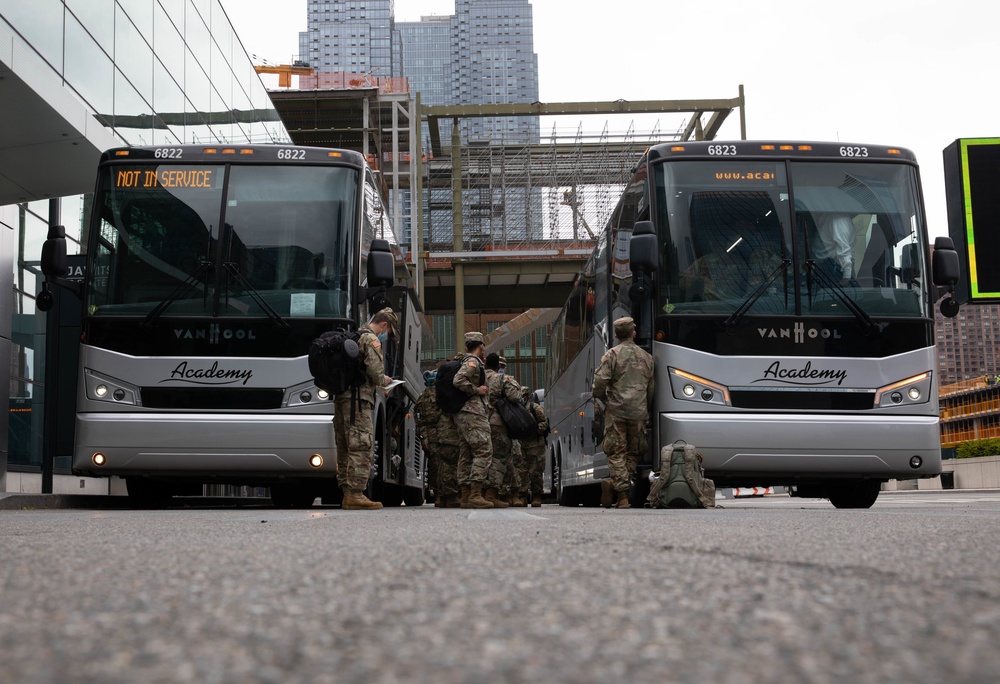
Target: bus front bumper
175,445
785,448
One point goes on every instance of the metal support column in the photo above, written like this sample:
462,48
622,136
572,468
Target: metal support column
457,241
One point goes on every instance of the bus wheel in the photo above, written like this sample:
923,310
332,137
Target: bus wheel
557,488
413,496
146,493
292,496
854,494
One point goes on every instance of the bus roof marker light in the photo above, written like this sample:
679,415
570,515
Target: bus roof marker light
209,150
677,148
246,150
767,148
121,153
334,154
229,150
786,148
805,148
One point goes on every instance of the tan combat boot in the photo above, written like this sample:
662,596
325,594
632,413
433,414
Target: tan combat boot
536,501
357,501
516,500
476,499
494,498
623,500
452,501
607,493
463,498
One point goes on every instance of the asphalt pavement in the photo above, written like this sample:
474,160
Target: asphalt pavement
765,590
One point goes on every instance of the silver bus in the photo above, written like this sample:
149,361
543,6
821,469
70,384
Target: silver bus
785,293
209,271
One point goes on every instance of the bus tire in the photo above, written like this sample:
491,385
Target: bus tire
146,493
287,495
854,494
557,489
413,496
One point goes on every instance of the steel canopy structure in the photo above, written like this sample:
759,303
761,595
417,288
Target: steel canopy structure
507,223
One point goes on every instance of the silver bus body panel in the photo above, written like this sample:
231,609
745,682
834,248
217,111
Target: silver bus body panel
144,443
789,445
137,440
878,442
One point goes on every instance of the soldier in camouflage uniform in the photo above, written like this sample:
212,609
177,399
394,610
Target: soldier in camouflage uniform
624,383
472,421
503,478
533,453
448,448
427,421
355,437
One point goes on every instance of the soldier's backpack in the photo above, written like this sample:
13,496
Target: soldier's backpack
450,399
519,421
335,361
682,482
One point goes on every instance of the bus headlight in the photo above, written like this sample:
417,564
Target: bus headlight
322,394
316,461
690,387
105,388
913,390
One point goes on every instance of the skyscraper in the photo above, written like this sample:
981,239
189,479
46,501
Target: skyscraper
482,54
357,36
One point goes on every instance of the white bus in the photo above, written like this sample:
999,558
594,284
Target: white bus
210,269
785,292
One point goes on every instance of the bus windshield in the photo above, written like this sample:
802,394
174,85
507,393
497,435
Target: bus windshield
211,240
806,238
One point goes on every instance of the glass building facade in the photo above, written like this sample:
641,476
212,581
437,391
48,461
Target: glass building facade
92,74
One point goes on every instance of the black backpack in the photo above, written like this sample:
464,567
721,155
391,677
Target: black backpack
519,421
335,361
450,399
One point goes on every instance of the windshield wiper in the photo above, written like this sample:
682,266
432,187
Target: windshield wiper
737,316
868,325
234,270
178,292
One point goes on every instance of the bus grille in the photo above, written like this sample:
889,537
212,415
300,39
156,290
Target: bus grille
813,400
203,399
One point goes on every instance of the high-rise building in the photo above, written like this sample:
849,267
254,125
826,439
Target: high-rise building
482,54
357,36
968,345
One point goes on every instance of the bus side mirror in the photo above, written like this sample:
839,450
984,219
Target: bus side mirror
946,271
54,252
945,263
381,264
643,248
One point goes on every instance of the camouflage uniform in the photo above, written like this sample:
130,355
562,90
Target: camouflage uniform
472,421
448,447
428,414
534,456
624,382
502,475
355,437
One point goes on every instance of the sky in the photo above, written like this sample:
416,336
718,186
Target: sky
909,73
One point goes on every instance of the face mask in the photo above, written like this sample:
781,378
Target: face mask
382,337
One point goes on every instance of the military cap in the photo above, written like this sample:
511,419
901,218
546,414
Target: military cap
474,337
503,362
525,389
624,326
390,316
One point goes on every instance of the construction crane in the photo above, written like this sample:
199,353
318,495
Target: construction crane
285,71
